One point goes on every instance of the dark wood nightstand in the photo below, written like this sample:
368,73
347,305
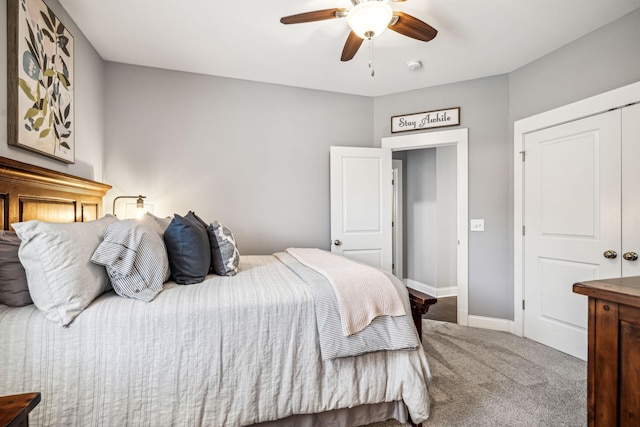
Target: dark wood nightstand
14,410
420,303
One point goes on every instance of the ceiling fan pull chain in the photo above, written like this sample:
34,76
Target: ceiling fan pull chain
371,57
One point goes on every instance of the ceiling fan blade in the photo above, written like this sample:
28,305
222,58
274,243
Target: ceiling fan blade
316,15
410,26
351,47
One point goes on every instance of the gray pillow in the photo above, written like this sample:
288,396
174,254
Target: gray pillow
188,249
224,251
13,279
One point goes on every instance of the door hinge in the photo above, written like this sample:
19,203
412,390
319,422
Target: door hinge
523,304
523,155
523,232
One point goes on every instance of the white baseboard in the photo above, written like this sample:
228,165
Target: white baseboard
432,290
492,323
463,317
518,328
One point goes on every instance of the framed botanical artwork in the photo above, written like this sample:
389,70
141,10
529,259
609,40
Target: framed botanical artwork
40,81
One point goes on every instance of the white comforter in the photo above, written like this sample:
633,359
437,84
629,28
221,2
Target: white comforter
230,351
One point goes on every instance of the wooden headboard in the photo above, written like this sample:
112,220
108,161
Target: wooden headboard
31,192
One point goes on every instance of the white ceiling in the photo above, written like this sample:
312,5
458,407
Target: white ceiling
246,40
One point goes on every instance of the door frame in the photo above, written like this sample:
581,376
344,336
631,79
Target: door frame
398,226
460,139
597,104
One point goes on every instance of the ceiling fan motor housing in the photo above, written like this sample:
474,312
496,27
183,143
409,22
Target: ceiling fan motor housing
369,18
357,2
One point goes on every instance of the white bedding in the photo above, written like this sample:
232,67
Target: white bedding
348,280
211,354
383,333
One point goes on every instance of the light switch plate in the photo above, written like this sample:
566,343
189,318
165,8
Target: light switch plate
477,225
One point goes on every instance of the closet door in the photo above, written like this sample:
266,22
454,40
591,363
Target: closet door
572,217
631,191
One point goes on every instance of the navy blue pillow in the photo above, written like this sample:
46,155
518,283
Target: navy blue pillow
188,249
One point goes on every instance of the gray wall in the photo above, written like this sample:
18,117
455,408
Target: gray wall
254,156
484,111
421,213
88,110
603,60
447,227
430,233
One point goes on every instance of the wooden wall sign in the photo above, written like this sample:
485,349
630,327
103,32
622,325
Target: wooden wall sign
426,120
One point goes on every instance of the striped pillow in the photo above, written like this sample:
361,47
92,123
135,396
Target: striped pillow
56,258
135,257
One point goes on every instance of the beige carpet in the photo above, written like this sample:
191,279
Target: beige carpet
490,378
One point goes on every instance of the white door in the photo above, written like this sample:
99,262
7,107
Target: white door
572,217
361,202
630,191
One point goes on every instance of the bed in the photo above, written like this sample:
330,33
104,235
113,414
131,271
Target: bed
230,351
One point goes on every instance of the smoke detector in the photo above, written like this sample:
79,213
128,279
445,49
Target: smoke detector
414,65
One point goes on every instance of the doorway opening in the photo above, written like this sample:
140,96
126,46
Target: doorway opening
459,139
424,223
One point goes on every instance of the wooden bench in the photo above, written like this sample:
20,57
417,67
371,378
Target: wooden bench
420,303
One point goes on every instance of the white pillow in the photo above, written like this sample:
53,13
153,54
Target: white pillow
162,222
62,279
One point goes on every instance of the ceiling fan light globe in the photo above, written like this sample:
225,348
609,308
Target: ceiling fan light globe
369,19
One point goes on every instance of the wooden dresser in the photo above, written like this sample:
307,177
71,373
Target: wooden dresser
613,367
15,409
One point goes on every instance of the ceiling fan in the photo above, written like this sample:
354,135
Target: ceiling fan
368,19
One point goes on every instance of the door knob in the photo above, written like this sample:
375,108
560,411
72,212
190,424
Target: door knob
610,254
630,256
337,242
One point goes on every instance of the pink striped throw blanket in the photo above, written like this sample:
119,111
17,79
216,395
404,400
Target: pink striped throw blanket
363,292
